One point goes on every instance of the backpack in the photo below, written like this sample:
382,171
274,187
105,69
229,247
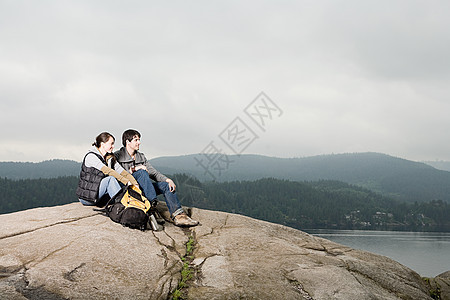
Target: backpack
129,208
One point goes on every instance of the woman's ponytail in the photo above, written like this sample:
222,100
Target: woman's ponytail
102,138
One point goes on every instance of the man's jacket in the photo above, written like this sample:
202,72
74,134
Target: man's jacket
127,162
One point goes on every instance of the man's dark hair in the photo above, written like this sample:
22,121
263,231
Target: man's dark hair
128,135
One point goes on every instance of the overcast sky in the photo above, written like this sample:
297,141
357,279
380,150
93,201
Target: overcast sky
337,77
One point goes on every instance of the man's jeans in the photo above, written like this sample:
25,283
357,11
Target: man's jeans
152,189
108,185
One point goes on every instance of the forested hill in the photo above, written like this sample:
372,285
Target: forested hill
46,169
391,176
319,204
22,194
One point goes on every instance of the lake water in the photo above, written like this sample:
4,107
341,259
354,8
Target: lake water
427,253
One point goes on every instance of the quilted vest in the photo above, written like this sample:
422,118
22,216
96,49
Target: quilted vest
89,183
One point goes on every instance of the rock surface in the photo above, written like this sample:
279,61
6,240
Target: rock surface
72,252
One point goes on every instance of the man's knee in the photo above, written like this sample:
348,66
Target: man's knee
164,186
141,174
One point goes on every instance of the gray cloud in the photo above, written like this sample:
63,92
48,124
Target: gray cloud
350,76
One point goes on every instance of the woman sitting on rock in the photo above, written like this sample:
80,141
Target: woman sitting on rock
100,174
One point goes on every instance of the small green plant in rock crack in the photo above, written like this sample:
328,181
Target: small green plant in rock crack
186,271
434,290
190,246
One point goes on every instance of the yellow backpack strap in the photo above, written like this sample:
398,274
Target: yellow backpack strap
133,198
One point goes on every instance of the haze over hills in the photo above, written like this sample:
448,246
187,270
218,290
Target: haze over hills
391,176
439,164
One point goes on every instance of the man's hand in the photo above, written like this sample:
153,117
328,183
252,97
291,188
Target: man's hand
134,169
172,185
141,167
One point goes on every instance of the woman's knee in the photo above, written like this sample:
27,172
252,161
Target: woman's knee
111,181
86,203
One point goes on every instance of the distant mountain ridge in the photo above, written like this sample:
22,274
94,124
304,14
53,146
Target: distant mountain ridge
391,176
351,166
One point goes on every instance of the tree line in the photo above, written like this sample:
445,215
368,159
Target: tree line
16,195
301,205
318,204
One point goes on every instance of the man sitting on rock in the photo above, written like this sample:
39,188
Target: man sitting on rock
137,164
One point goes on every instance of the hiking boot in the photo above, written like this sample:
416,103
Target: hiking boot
184,220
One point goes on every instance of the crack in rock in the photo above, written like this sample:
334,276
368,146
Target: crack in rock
70,275
298,287
213,230
387,287
10,270
166,258
21,285
171,247
46,226
168,283
53,252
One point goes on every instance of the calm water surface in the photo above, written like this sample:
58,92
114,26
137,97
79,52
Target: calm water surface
427,253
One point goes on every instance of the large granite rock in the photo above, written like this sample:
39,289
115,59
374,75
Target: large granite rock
72,252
